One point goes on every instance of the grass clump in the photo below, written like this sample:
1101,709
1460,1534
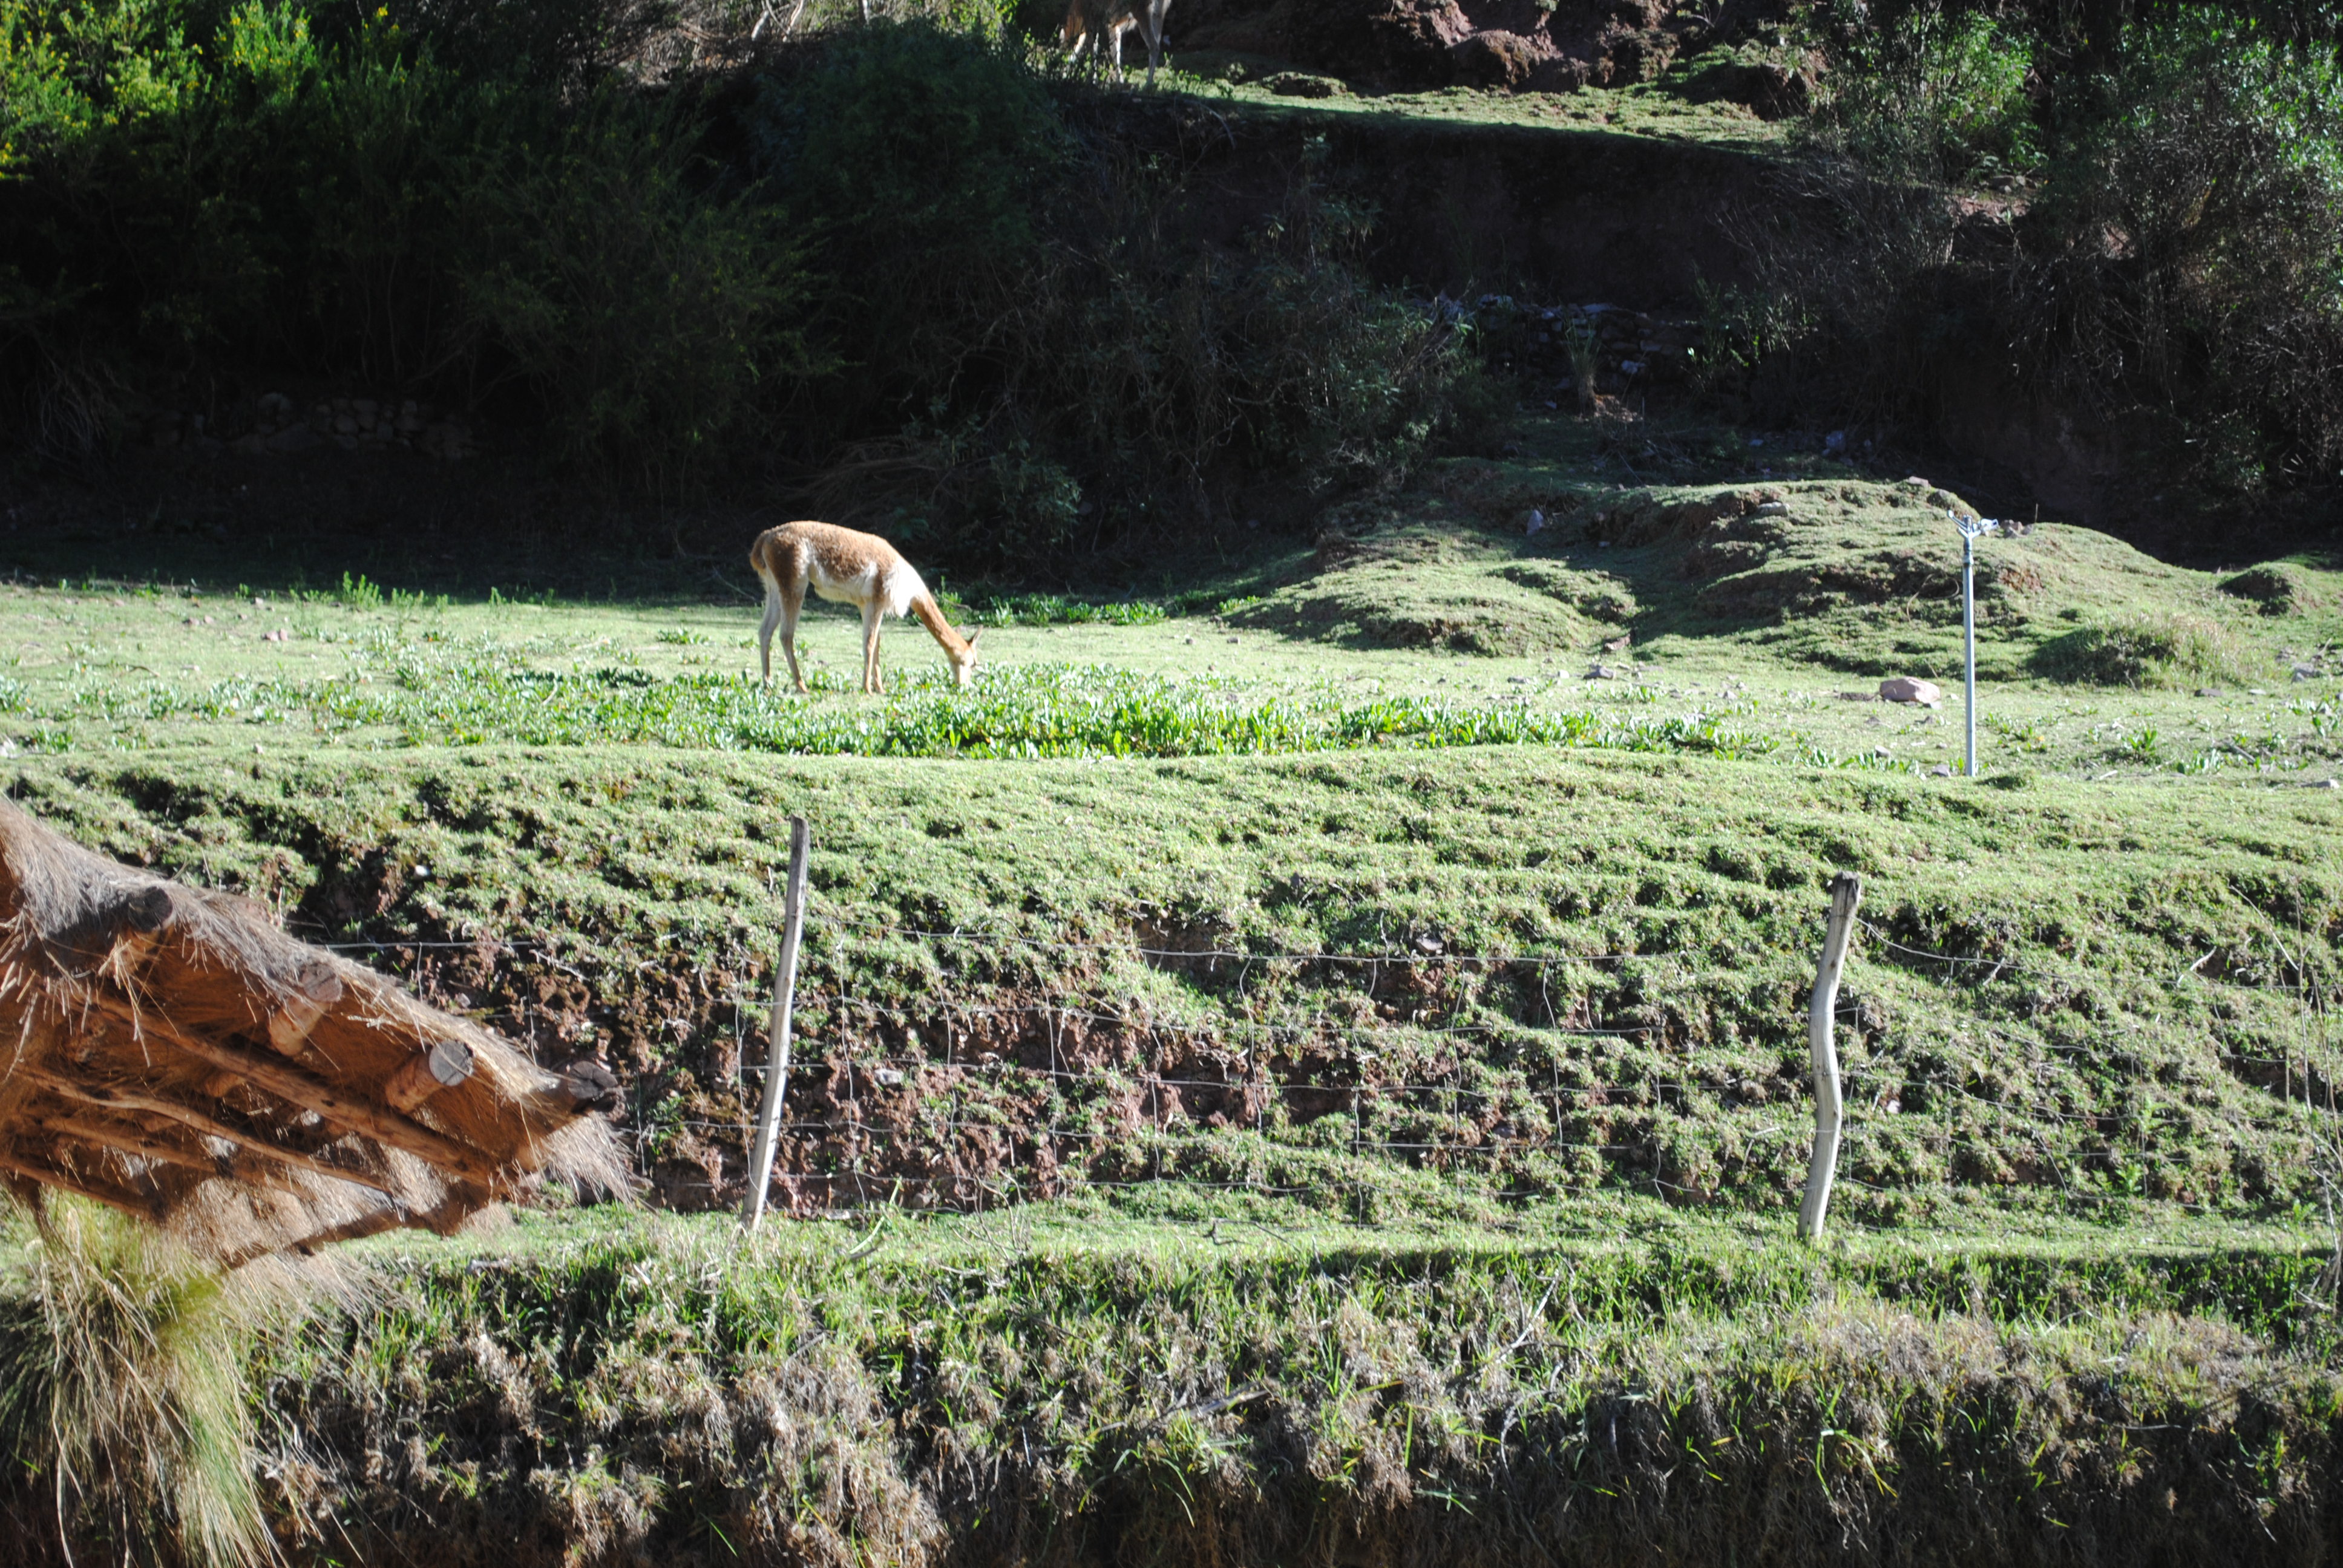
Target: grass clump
124,1393
2274,589
2142,651
1025,711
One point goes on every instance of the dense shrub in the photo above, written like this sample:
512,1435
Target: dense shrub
193,185
1072,365
889,258
2173,264
2189,249
645,315
921,158
1937,92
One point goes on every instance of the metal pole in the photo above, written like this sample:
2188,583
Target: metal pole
1968,641
777,1067
1972,528
1830,1111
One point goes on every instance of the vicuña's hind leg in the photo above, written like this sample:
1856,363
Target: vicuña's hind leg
791,604
765,628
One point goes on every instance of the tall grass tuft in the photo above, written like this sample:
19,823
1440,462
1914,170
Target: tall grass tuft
2144,650
123,1389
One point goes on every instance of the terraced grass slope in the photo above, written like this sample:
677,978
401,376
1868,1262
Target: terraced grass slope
1441,977
1614,1385
1359,889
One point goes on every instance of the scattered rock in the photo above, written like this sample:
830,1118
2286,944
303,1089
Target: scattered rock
1302,85
1940,770
1536,521
1910,689
2307,672
1774,92
1620,644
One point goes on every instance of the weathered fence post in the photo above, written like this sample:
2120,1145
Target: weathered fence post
777,1068
1830,1113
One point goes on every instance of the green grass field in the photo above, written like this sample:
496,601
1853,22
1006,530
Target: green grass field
1308,1061
1441,864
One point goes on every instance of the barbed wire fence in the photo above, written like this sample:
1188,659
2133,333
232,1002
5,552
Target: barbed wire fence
961,1124
986,1127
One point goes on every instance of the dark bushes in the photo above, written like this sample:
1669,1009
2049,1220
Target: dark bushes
2146,228
1062,361
2189,250
889,258
200,189
647,317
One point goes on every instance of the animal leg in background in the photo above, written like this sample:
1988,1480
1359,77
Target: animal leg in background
873,614
782,603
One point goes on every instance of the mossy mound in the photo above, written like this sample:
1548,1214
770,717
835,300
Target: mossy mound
1452,589
2273,588
2144,650
1857,576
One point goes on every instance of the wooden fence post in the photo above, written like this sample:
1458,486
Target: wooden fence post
777,1068
1830,1112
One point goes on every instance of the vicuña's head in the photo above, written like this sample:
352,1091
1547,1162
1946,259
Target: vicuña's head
963,657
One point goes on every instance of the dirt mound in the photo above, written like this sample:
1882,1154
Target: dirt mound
1519,45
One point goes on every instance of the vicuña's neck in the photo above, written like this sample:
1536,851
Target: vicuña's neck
931,616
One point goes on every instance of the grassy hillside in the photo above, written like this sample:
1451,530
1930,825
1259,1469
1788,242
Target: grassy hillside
1303,896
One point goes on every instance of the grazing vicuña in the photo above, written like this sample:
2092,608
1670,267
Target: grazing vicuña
846,568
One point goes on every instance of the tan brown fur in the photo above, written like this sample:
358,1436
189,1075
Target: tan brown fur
846,568
1086,20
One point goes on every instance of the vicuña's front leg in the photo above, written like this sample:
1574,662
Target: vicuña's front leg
872,682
